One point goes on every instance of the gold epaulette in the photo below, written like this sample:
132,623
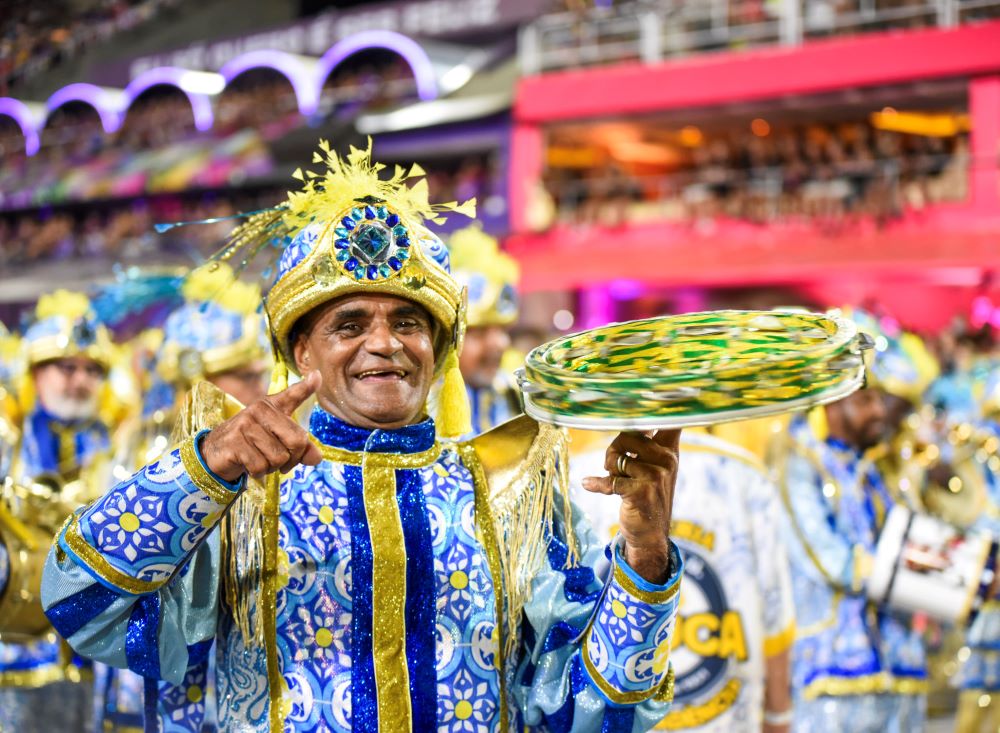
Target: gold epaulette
504,453
205,406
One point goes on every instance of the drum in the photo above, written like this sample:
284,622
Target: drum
924,564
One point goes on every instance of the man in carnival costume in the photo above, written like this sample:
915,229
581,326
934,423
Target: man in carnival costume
388,582
59,417
490,279
736,620
855,666
218,335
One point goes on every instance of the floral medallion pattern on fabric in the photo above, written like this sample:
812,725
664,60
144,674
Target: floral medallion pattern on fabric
147,522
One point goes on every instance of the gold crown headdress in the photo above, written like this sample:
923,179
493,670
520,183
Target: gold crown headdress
350,231
219,327
489,275
66,326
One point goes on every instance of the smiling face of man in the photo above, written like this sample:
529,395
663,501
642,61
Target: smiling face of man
376,356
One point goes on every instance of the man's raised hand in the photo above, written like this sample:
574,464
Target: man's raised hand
263,437
642,470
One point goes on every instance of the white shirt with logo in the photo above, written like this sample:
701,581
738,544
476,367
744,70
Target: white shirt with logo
736,597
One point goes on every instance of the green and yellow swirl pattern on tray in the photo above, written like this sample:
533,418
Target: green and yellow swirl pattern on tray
693,369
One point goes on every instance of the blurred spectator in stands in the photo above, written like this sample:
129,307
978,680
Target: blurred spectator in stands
832,176
124,230
34,36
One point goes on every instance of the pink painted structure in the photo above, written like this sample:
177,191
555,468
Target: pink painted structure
950,251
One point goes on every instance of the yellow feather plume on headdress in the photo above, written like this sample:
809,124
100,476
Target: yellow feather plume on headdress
470,248
217,282
62,303
325,197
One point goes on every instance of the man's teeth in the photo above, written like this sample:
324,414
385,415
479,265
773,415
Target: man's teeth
397,372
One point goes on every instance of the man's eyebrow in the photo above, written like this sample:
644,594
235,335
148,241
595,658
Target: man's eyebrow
348,313
410,310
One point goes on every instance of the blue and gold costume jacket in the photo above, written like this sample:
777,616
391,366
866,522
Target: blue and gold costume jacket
836,503
56,449
388,610
50,446
491,406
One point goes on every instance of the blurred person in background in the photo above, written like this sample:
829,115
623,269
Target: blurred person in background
60,415
856,665
978,442
218,335
490,278
736,619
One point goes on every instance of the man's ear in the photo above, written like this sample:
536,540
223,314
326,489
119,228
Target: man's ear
302,354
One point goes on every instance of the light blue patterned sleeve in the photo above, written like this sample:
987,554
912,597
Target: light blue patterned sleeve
596,641
133,579
825,554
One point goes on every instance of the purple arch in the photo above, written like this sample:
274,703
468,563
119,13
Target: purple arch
300,76
172,76
19,112
111,116
410,50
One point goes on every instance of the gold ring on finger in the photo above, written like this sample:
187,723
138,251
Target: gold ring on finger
622,465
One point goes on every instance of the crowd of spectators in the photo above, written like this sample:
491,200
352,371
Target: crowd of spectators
35,36
820,173
124,231
367,81
158,131
260,99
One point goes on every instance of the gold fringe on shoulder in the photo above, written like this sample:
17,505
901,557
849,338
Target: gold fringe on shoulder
524,464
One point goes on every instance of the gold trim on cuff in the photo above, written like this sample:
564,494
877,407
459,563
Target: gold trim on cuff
200,476
380,460
633,697
651,597
665,691
96,562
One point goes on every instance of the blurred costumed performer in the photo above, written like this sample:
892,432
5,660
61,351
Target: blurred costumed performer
855,666
217,335
979,674
490,280
387,582
61,411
